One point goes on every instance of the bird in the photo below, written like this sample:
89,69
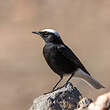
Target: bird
61,59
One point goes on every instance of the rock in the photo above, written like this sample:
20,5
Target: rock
69,98
102,103
84,103
65,98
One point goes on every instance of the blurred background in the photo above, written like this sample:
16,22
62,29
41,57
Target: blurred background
84,26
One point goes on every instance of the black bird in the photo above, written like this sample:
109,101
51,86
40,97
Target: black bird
62,60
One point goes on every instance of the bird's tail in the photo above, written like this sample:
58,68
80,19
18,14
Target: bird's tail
93,82
89,79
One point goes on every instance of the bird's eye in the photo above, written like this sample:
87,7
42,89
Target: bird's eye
46,33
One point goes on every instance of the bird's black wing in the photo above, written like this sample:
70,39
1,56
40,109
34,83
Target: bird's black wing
68,54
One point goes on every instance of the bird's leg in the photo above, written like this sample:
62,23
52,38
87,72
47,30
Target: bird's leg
61,77
68,80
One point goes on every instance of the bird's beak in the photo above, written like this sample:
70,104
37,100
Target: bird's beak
38,33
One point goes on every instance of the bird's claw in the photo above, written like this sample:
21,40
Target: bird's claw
65,85
53,90
47,92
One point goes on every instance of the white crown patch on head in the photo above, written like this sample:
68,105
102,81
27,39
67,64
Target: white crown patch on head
51,31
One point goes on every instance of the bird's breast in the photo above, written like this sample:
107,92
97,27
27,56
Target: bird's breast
57,62
52,56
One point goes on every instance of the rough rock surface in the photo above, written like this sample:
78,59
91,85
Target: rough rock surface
102,103
69,98
65,98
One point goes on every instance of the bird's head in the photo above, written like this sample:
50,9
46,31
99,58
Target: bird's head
49,36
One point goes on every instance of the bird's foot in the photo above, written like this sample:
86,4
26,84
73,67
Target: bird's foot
47,92
53,90
65,85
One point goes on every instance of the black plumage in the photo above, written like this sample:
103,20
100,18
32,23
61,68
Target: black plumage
62,60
